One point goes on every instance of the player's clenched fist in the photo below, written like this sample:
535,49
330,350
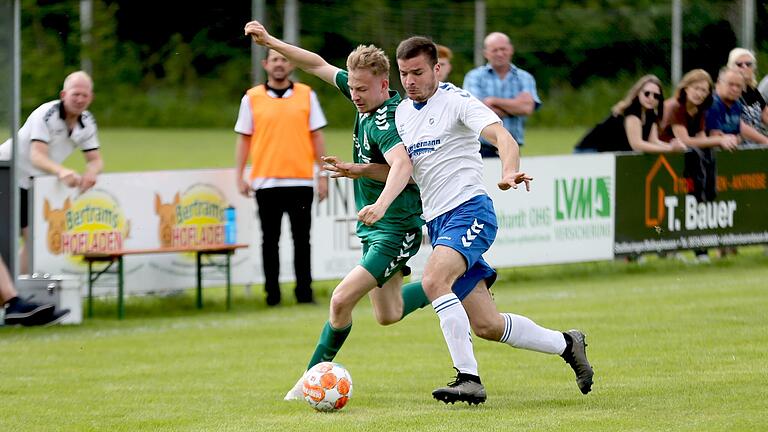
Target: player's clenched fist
257,32
371,214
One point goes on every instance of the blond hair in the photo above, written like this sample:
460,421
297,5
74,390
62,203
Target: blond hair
75,77
370,58
692,76
740,52
633,92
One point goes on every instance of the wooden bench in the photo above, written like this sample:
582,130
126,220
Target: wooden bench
113,257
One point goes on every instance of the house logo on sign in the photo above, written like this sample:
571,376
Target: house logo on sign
662,188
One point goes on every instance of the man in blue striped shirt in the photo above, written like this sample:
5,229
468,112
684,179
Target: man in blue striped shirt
508,90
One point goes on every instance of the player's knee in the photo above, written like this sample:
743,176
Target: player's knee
486,329
340,304
387,317
434,286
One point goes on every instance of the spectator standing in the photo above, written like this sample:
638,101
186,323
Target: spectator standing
755,113
50,134
279,127
704,123
505,88
684,119
633,124
444,57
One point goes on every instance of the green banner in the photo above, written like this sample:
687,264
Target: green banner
656,209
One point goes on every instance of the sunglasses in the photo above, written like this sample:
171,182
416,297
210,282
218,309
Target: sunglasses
744,64
656,96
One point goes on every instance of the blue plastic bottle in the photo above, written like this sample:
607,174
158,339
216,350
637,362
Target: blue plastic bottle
230,225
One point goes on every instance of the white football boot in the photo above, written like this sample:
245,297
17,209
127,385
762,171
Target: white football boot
297,392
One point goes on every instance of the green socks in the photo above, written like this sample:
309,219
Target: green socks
332,339
330,343
413,297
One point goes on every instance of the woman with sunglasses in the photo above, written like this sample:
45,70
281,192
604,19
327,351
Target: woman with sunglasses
755,112
633,124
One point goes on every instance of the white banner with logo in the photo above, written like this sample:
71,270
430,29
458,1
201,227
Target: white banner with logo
142,210
147,210
567,217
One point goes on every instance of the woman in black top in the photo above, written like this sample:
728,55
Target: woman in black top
633,124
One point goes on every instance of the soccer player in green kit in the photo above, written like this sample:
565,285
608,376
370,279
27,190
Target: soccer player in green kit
390,222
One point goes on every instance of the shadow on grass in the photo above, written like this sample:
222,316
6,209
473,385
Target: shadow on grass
246,300
184,302
649,264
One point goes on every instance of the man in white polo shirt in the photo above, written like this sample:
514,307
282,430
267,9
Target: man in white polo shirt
50,134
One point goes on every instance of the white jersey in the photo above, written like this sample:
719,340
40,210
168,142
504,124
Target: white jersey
441,136
46,124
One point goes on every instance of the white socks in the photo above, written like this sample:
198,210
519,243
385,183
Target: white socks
455,325
521,332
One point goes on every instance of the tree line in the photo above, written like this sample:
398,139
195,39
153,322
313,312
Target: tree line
182,64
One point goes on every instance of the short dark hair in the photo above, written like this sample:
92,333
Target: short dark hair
415,46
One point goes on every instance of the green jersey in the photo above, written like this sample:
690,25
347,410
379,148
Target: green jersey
375,134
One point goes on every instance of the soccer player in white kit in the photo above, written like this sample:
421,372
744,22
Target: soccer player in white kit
440,124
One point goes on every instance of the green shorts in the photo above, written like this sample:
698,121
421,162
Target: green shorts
385,253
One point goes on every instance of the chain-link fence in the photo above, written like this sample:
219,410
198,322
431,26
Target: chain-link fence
193,66
584,55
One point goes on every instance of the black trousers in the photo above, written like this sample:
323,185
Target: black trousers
297,202
701,168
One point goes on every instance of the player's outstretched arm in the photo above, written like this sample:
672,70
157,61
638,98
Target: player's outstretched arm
339,168
509,153
305,60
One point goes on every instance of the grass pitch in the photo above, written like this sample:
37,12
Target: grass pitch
674,346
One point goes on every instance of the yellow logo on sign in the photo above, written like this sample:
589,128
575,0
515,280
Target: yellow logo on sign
192,219
93,222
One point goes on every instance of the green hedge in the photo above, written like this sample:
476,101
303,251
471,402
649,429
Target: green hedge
208,106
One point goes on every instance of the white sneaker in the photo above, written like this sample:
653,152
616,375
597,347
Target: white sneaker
680,257
703,259
297,392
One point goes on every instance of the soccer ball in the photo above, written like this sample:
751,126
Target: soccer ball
327,386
